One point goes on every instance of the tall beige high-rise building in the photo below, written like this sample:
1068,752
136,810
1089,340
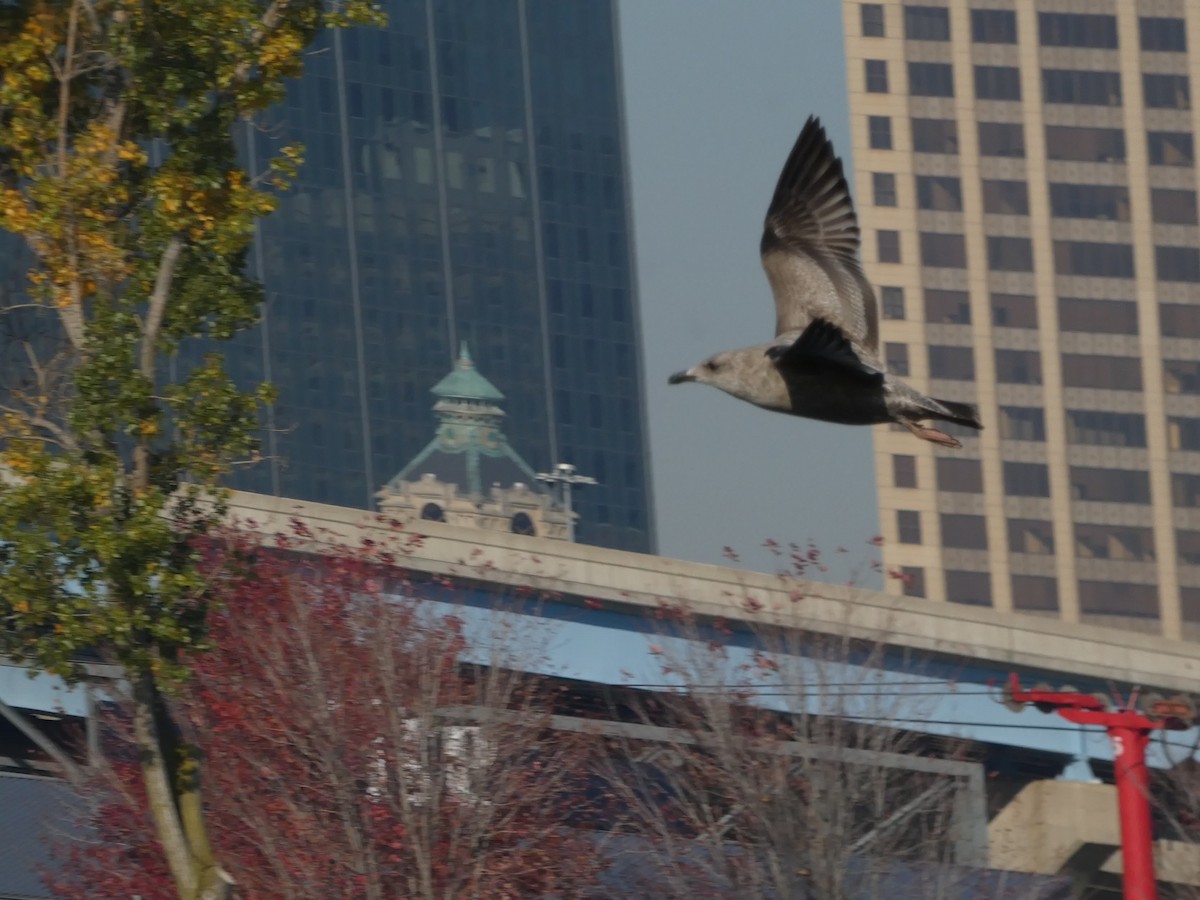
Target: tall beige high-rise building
1027,186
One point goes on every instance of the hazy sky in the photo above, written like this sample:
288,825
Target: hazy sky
715,94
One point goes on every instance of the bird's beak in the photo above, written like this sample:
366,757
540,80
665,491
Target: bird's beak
681,377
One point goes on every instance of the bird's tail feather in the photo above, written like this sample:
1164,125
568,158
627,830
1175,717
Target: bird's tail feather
952,411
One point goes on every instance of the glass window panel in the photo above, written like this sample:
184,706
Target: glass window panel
993,26
927,23
997,83
1177,263
1114,373
1014,310
1105,429
904,470
964,532
1018,367
892,301
884,188
955,363
1034,593
1163,34
1181,376
896,358
930,79
1004,139
1110,598
875,71
952,307
1097,316
1179,320
1010,254
1183,433
1033,536
1099,485
1005,198
1023,479
908,526
939,192
1022,423
935,136
1173,207
879,131
912,581
948,251
1166,91
871,19
969,588
1089,201
1081,144
1081,87
1093,259
1077,30
888,242
1170,148
959,475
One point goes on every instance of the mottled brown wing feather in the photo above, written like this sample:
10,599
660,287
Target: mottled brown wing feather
810,245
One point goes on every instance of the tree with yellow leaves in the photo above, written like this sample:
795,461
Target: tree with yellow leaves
119,175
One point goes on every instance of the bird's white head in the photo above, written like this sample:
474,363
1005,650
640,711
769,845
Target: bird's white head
715,371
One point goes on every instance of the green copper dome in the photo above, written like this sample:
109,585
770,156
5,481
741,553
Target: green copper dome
465,383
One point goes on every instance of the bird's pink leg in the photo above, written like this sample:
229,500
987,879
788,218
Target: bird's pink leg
930,434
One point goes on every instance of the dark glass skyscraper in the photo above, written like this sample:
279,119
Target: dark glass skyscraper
464,180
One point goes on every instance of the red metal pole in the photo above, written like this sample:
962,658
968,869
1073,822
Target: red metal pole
1133,799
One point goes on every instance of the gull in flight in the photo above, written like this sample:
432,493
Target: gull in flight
824,362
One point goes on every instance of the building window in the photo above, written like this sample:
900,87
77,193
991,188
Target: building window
1034,593
950,307
904,471
1023,479
930,79
1010,254
1022,423
1093,259
888,245
1080,87
1173,207
927,23
1014,310
912,581
953,363
1179,320
939,192
431,512
908,526
1077,30
1166,91
963,476
895,357
997,83
1097,316
1114,542
876,75
1032,536
1183,433
1181,376
871,19
1109,598
1170,148
969,588
1177,263
1109,485
943,251
1089,201
1187,547
1111,373
1005,198
1067,142
879,132
993,26
964,532
1163,35
893,302
935,136
1005,139
1185,490
884,187
1018,367
1094,428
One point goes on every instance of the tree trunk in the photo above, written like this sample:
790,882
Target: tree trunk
170,774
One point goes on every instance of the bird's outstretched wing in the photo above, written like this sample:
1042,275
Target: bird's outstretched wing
810,246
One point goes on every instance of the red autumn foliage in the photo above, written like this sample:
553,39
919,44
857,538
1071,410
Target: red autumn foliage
347,751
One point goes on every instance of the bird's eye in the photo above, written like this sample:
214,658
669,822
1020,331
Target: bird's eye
710,365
